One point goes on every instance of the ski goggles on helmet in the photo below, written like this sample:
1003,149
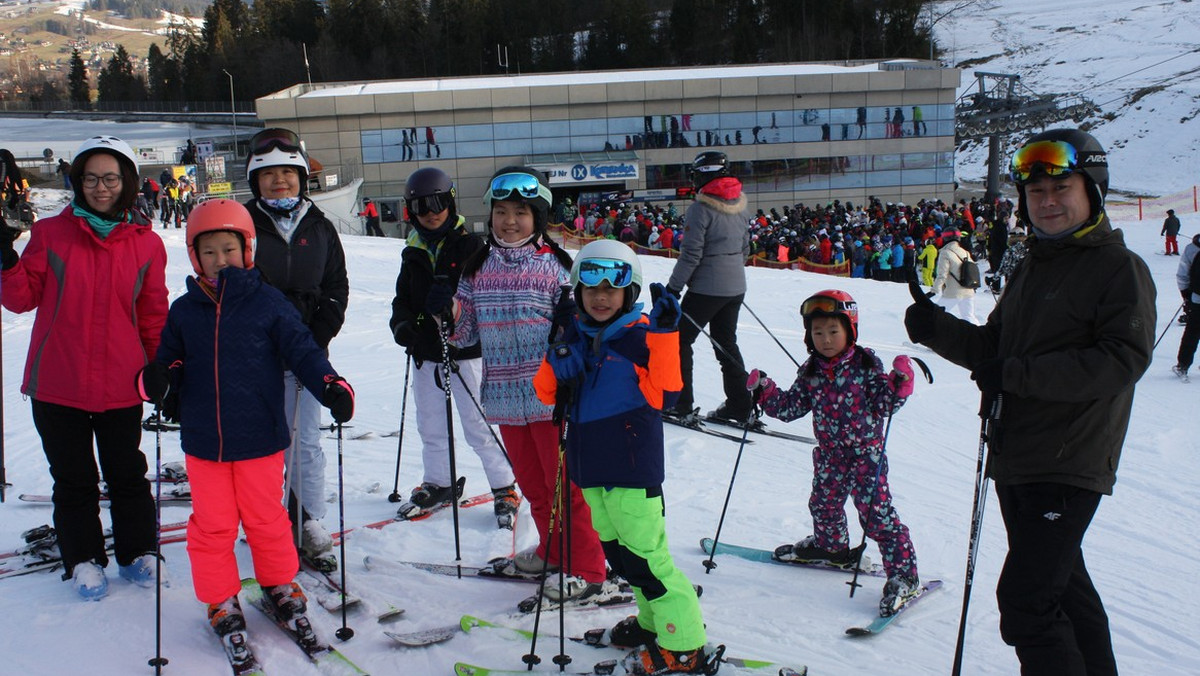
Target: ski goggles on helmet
429,204
517,186
593,271
826,305
1056,159
284,139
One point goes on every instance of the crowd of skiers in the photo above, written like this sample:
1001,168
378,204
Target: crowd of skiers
271,275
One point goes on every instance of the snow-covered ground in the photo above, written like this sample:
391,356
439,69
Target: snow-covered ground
1140,548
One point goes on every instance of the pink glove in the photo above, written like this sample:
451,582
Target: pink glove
760,386
901,377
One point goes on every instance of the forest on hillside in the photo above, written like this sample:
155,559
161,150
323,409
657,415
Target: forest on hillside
273,44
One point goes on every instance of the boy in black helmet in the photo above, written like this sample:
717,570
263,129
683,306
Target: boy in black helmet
1065,345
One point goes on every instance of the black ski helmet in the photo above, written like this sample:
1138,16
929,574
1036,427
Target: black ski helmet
1092,164
709,166
426,182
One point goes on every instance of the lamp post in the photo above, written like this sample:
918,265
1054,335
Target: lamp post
232,113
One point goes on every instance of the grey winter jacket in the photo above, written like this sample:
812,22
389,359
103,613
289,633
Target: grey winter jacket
1183,274
716,241
1075,328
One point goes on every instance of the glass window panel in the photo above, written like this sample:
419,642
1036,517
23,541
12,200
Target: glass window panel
371,138
473,132
547,128
372,154
390,137
588,127
626,125
393,153
512,130
465,149
516,146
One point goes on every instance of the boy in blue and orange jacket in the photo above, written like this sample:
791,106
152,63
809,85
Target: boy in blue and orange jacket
611,373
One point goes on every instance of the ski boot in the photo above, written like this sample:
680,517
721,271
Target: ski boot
898,590
806,551
505,503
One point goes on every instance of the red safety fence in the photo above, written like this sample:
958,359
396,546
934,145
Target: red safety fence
1153,208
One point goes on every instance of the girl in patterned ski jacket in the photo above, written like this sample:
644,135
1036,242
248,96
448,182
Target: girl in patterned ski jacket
851,398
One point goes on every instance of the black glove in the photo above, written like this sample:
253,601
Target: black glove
989,376
8,255
1187,295
920,319
405,334
441,296
664,316
154,383
338,398
564,314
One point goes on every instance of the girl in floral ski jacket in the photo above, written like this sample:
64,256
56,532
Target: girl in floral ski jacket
851,398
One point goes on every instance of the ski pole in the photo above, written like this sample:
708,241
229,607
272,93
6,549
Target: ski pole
990,413
345,633
710,564
531,658
862,545
1160,336
444,332
293,450
4,485
395,496
158,661
769,333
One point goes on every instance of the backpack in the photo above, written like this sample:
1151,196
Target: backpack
968,274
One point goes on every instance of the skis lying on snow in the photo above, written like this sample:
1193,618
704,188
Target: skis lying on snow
175,494
692,423
496,569
596,638
758,427
329,595
40,551
768,556
300,630
481,499
882,622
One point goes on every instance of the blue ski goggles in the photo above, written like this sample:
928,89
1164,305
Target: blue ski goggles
593,271
517,186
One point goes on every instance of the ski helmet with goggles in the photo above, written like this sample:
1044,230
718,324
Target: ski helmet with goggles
429,191
709,166
1058,153
522,184
126,159
216,215
276,147
607,260
829,303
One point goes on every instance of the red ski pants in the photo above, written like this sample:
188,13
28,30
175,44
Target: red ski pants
224,494
533,449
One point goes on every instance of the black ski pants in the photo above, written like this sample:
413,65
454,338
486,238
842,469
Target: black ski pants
1049,609
67,435
720,315
1191,336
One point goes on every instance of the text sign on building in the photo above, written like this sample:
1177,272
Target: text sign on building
591,172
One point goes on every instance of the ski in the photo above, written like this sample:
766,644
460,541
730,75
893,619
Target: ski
237,648
42,553
598,638
179,493
698,426
768,556
757,427
302,634
882,622
491,571
481,499
424,637
614,668
332,597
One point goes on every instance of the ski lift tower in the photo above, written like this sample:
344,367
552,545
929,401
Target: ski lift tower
1002,105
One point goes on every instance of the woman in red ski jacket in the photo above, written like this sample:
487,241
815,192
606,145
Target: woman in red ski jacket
95,275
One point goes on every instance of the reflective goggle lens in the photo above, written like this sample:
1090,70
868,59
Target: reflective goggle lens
619,274
283,139
504,185
1054,158
824,305
429,204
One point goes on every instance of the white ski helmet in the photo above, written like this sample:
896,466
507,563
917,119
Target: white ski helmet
112,144
611,261
126,159
276,147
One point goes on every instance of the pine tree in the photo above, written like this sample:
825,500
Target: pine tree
77,82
